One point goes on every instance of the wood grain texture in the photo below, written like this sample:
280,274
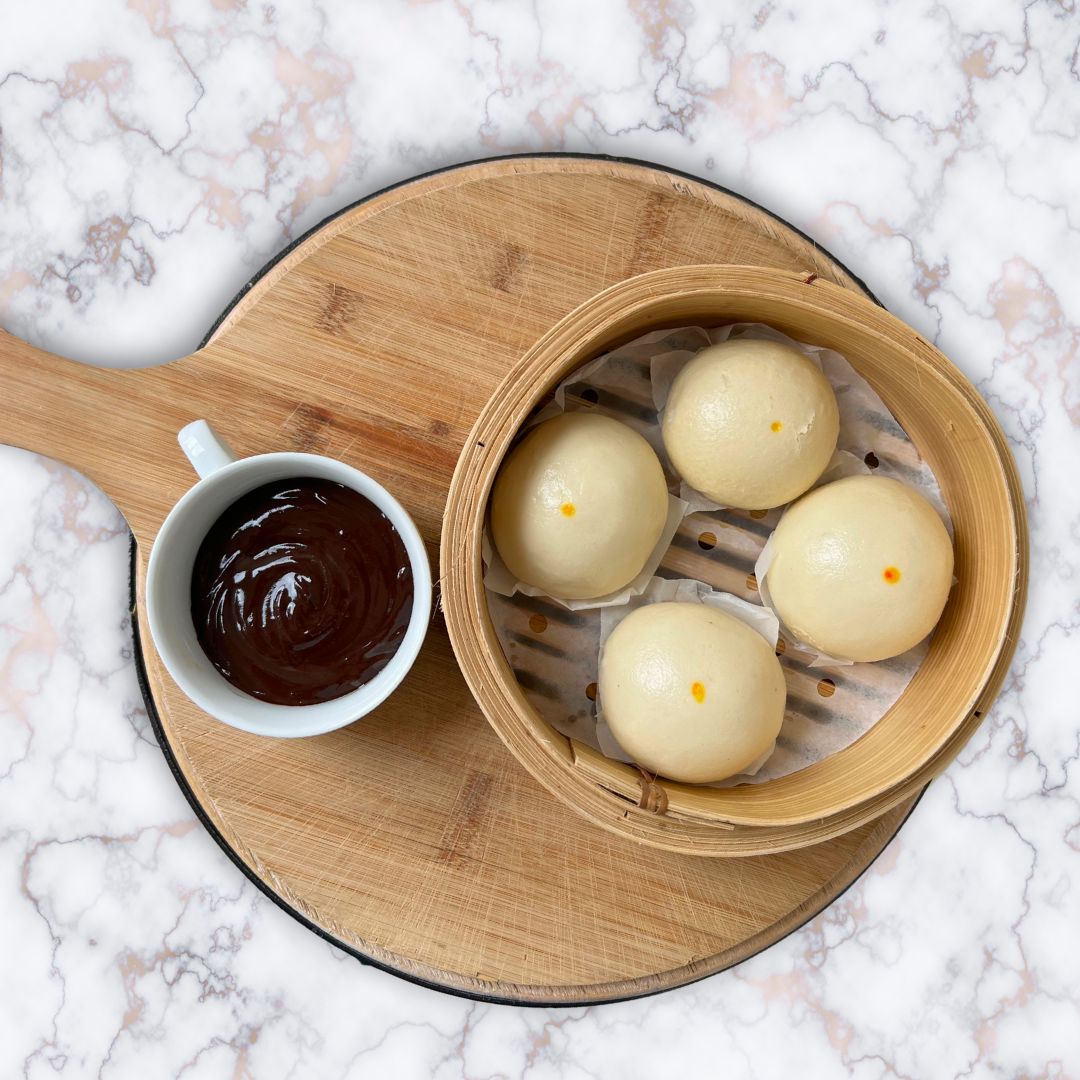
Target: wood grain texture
414,838
953,430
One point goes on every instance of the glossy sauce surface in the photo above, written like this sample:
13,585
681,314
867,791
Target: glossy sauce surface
301,591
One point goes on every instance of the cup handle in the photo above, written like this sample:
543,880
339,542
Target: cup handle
206,451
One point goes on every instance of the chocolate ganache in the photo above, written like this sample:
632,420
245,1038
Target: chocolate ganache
301,591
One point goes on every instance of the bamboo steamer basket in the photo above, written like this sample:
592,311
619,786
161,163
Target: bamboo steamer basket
954,431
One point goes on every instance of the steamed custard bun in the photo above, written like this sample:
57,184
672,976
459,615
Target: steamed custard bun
750,423
861,568
691,693
578,506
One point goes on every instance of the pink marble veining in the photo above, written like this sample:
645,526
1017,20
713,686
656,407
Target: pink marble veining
154,154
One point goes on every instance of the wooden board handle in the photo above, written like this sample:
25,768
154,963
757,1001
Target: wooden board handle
93,419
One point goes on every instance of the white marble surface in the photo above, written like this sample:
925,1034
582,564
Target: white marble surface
154,154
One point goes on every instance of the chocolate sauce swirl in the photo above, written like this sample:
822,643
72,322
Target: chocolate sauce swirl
301,591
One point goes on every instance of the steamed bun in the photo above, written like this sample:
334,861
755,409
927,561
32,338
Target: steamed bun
861,568
750,423
690,692
578,506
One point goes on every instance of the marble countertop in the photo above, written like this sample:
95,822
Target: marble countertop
154,154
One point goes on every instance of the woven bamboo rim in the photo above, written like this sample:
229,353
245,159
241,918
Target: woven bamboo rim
955,432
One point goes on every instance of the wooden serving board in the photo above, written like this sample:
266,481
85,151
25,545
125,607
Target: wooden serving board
413,839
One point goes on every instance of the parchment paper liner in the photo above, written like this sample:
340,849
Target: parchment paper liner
554,649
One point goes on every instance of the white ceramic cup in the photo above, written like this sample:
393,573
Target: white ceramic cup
222,480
